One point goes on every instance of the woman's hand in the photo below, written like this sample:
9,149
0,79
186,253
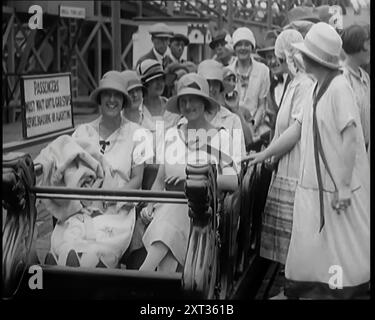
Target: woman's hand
255,158
174,180
147,213
342,200
271,163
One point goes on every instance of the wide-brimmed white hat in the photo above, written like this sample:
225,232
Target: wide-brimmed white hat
112,80
322,44
241,34
192,84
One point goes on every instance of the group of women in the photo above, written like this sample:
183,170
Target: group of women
317,211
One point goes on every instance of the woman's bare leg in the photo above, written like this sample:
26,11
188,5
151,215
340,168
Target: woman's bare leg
169,263
155,254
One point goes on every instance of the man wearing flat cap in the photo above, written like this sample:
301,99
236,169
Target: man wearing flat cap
177,46
160,37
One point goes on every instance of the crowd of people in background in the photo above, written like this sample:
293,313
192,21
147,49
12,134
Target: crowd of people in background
306,89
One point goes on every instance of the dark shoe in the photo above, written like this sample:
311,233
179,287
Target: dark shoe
50,259
72,259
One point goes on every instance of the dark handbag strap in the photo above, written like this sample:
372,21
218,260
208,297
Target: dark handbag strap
318,149
287,81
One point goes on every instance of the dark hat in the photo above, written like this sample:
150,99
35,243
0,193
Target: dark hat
180,37
220,36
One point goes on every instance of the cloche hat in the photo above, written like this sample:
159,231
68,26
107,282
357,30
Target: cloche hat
192,84
112,80
131,80
150,69
210,69
243,33
322,44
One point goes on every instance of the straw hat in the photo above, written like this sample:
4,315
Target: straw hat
111,80
212,70
161,30
150,69
322,44
192,84
131,80
243,33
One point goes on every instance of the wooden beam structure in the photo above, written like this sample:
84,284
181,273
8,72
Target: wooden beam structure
102,41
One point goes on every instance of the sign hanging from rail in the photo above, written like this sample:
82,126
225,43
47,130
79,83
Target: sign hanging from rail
72,12
47,104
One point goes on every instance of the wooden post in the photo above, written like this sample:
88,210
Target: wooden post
219,18
116,35
140,9
269,14
230,16
98,50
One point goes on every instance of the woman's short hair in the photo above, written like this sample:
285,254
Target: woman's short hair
353,38
311,62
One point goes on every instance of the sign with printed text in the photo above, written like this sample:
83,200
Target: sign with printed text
47,104
72,12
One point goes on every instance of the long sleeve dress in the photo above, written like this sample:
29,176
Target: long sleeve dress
334,262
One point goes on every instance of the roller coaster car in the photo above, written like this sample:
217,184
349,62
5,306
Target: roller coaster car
222,246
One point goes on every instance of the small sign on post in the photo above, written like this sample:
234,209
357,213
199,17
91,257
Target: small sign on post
72,12
46,104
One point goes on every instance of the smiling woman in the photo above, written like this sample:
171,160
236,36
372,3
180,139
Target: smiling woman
95,234
166,237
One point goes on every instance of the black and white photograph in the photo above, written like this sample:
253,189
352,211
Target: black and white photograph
208,150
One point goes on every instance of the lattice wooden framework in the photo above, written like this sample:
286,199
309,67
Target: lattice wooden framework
87,48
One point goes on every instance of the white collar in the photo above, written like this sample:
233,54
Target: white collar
158,56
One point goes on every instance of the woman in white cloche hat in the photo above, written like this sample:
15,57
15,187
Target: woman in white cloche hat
253,80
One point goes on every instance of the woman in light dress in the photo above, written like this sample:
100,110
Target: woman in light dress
100,232
156,117
278,211
329,251
166,237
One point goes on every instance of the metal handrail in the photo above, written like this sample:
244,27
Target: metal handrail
96,194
